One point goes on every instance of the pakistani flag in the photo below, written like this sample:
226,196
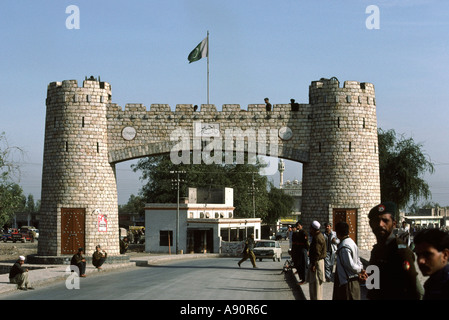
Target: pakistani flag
199,52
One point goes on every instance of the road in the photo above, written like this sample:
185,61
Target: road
198,279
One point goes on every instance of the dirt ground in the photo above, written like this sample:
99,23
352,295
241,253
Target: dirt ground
10,251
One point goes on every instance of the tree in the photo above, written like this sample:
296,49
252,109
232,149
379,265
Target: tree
160,187
11,194
402,163
135,205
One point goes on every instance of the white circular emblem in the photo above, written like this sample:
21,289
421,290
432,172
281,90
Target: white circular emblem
129,133
285,133
381,208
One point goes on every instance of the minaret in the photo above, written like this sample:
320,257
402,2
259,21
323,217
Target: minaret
281,168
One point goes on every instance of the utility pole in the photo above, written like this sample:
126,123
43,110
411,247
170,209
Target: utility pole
253,192
177,181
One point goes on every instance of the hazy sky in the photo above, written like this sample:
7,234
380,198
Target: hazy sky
257,49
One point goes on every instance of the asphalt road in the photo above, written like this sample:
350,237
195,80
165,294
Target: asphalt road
198,279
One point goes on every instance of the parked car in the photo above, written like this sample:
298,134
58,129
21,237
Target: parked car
16,236
27,230
268,249
6,237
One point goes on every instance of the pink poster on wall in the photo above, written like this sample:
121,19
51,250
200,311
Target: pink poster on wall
102,223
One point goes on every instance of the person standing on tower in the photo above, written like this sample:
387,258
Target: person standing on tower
267,104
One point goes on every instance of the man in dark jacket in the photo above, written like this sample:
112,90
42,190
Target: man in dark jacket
79,261
432,249
248,251
396,262
19,275
99,257
300,248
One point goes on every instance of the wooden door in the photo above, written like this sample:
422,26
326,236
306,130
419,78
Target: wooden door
350,217
72,229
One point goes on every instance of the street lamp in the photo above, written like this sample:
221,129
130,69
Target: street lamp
177,181
253,192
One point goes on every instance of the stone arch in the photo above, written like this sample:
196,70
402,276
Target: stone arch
86,134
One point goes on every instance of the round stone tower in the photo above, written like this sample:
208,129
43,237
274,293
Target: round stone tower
79,193
341,180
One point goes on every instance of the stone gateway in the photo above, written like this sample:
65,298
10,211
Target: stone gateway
334,136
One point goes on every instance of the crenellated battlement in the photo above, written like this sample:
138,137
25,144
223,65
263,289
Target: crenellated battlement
328,91
68,91
189,109
91,83
334,83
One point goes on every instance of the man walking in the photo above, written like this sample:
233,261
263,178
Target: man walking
248,251
317,253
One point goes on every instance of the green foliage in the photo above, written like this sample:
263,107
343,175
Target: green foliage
12,200
135,205
402,164
11,194
280,205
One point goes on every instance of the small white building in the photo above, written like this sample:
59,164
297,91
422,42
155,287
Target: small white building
206,220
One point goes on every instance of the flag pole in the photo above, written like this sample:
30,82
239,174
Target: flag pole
207,66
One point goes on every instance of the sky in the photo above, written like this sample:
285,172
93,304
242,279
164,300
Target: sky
257,49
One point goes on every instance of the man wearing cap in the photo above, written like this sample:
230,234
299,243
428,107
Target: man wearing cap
396,262
99,257
317,253
19,275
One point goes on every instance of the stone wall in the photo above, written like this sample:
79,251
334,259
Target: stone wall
76,171
334,136
343,171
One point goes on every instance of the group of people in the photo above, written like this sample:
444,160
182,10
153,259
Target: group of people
136,236
392,272
18,274
309,256
294,105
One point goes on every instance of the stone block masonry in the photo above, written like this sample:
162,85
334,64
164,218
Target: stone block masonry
334,136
